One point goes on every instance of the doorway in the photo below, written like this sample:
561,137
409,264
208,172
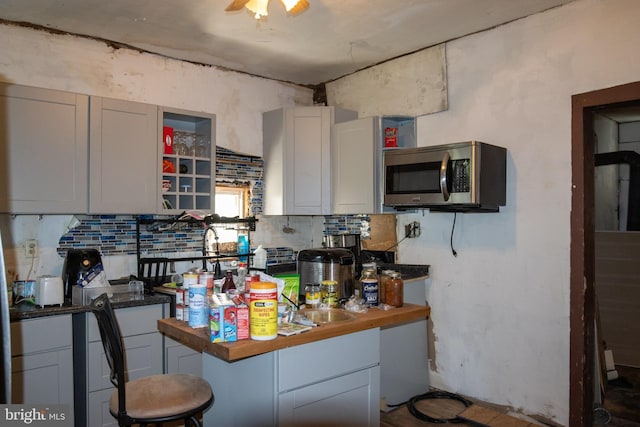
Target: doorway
582,247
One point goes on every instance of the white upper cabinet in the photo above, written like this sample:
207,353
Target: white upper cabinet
357,150
297,159
123,157
43,150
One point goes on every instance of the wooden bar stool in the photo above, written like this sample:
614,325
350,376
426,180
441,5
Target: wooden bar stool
150,400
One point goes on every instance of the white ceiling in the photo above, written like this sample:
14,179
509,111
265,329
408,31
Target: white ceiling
327,41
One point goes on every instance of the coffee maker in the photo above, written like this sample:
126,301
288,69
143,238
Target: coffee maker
76,265
346,241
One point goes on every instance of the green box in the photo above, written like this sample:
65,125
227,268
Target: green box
291,287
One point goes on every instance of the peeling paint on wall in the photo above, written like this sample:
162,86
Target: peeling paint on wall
412,85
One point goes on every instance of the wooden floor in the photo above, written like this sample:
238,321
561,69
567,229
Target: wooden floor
621,404
477,415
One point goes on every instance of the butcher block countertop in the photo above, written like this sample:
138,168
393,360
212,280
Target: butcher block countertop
198,338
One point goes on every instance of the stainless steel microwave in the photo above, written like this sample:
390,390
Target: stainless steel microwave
461,177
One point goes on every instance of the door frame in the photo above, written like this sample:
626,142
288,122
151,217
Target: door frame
582,247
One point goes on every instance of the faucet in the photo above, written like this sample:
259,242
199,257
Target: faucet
217,271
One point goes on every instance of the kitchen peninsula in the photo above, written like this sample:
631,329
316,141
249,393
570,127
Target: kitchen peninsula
330,374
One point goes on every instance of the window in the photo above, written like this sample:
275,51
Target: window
231,202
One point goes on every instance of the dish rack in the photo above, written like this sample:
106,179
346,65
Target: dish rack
153,270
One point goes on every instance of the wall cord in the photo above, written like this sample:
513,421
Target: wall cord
453,227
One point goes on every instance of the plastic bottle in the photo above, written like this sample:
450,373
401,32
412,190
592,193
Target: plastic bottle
242,273
260,258
243,246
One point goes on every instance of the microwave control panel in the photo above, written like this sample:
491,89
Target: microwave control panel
461,179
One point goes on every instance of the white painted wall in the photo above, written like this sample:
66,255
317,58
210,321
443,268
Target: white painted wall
501,307
412,85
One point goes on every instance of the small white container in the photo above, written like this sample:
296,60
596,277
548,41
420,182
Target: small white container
260,258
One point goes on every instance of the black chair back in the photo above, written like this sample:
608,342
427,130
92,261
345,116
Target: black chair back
113,347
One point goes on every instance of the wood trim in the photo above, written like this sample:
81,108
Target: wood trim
582,259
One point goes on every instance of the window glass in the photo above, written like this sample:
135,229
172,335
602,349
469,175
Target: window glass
230,202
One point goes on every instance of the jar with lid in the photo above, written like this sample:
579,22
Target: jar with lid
384,276
312,294
394,290
329,293
369,287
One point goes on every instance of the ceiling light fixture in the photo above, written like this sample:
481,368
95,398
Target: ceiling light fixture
259,7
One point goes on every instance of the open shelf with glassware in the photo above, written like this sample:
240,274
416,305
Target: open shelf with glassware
188,161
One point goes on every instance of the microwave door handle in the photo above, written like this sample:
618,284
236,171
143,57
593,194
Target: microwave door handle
444,188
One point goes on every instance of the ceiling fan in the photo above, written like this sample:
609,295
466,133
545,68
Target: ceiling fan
259,7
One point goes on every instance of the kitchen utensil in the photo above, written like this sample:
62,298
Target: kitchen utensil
49,291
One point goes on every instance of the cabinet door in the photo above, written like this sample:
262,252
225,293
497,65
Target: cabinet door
347,400
297,159
98,404
42,354
123,155
43,146
143,358
53,368
180,359
404,355
308,187
353,167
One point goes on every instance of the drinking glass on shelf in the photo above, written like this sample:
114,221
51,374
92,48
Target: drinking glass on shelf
179,143
201,146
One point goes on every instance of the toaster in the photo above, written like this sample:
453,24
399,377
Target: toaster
49,291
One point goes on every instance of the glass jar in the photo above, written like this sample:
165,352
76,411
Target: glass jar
312,295
369,287
394,290
329,293
384,276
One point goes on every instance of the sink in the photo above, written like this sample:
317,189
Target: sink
329,316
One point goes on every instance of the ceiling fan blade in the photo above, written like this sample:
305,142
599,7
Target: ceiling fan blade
300,7
236,5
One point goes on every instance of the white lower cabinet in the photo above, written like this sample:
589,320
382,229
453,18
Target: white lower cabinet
404,358
180,359
143,346
42,361
345,400
335,381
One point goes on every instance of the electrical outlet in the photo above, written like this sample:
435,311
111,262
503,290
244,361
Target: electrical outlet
31,248
412,230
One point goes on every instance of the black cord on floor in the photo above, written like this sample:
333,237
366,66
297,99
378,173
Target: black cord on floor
411,405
